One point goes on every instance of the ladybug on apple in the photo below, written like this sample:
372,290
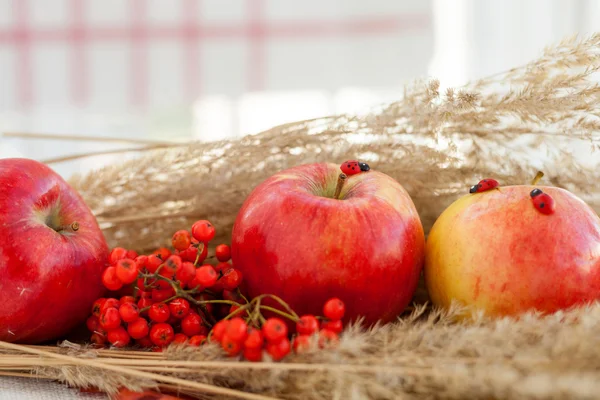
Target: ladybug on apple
508,250
309,233
52,254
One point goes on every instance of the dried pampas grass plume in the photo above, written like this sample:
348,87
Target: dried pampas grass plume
541,116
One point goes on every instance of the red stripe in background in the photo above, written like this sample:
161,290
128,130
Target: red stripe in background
139,53
272,30
191,49
79,88
257,46
22,42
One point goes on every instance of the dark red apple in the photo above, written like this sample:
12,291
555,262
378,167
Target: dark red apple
292,238
52,254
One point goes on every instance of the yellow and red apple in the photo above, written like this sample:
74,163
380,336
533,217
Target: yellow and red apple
294,239
502,252
52,254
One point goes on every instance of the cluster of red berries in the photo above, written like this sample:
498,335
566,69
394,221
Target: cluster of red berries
239,337
179,297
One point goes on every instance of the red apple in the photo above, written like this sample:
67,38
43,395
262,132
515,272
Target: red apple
52,254
292,238
496,252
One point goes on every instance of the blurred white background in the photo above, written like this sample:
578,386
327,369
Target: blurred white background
175,70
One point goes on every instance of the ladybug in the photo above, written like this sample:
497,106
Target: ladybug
484,185
353,167
543,202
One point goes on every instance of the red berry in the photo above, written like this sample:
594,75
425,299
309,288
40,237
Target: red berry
162,252
145,341
180,338
126,270
191,325
110,319
179,308
92,323
144,303
274,330
116,254
98,338
231,347
181,240
186,273
333,325
231,279
197,340
223,266
129,312
253,354
162,334
162,294
327,338
153,262
334,308
141,261
237,329
110,280
191,253
302,343
110,303
307,325
97,306
138,329
279,349
206,276
132,254
127,299
161,284
171,266
159,312
223,252
203,231
218,331
254,340
118,337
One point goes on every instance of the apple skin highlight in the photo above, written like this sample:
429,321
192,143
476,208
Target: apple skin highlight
293,239
49,279
495,252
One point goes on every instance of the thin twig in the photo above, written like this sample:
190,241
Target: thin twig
85,138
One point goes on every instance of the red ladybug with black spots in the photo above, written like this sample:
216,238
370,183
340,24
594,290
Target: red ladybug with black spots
484,185
543,202
354,167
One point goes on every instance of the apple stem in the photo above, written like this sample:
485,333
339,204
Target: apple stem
74,227
340,185
537,178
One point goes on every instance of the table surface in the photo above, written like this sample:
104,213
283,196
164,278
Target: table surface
31,389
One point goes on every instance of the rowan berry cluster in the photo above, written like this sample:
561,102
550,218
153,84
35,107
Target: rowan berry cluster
179,296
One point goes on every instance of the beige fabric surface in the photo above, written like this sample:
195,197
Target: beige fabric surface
30,389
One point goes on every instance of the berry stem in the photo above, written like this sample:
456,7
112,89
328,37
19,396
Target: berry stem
198,254
283,314
340,185
537,178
